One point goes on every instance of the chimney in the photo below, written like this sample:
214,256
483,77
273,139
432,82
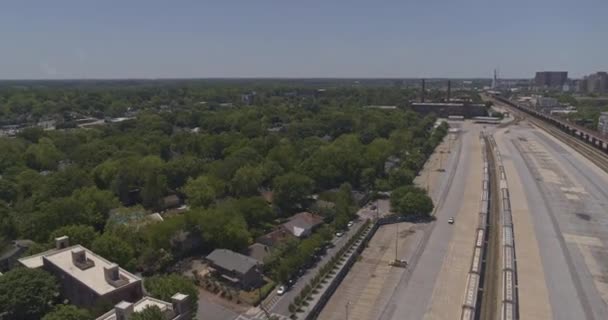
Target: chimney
112,275
180,303
79,259
449,90
111,272
79,256
423,90
62,242
123,310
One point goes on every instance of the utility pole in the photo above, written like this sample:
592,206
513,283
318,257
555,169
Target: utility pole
396,239
377,210
347,305
262,304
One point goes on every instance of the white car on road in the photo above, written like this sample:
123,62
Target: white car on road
281,290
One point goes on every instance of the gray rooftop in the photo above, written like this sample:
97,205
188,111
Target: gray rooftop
231,260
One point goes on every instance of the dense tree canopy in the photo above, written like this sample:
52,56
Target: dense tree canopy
78,234
409,200
67,312
241,169
165,286
27,293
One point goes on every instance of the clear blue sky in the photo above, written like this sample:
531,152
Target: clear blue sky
306,38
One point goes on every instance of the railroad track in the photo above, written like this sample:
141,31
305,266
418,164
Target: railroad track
597,157
490,296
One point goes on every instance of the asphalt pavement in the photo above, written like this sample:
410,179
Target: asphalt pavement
567,197
412,297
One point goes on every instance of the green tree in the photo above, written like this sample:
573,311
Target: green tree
155,187
290,191
62,183
149,313
255,210
67,312
27,293
43,155
52,215
165,286
114,249
400,177
411,201
222,227
8,230
8,190
96,203
78,234
202,191
11,153
246,180
32,134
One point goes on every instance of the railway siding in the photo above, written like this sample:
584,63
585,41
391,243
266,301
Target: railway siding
509,261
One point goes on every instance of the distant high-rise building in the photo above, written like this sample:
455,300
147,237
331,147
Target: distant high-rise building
602,123
495,79
551,79
595,83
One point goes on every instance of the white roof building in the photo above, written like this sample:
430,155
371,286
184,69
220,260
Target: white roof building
84,276
178,309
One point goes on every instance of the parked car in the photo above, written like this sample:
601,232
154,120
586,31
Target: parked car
281,290
451,220
350,224
339,234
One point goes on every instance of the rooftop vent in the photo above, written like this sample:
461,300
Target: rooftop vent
113,276
123,310
62,242
79,258
180,303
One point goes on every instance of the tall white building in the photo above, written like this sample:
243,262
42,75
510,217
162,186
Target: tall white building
602,123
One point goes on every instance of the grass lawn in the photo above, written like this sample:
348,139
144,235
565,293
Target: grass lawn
253,297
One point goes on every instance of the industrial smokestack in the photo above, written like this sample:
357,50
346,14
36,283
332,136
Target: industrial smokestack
423,90
449,90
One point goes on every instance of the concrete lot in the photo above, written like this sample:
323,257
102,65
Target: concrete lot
370,282
565,207
448,294
533,292
413,296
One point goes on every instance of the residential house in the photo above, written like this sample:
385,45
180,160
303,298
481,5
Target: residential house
85,278
258,252
302,224
12,252
171,202
275,237
180,308
240,270
391,163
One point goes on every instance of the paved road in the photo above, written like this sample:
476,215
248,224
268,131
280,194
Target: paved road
280,304
412,298
567,198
